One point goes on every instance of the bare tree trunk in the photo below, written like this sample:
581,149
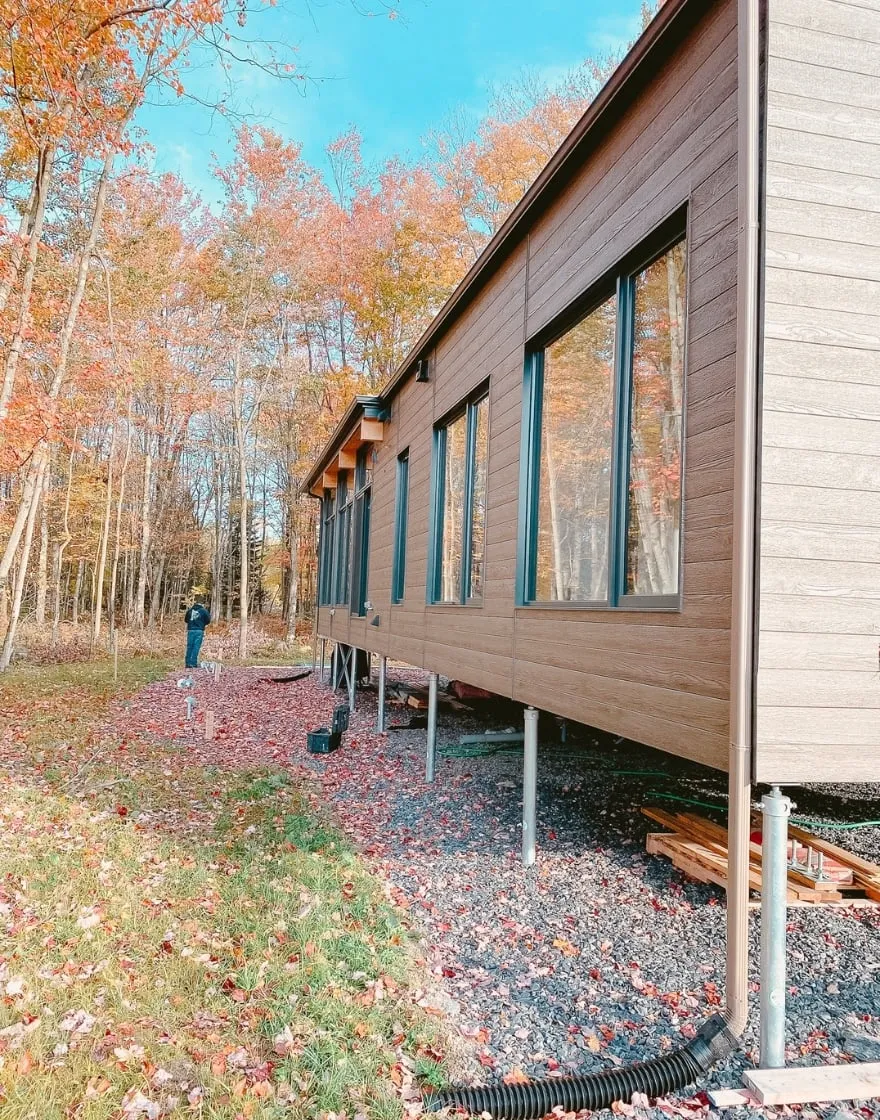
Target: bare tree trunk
77,588
43,561
60,547
556,541
102,550
45,166
6,655
114,570
243,564
146,530
25,225
156,595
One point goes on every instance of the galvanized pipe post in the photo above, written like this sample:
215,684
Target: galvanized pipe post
352,661
774,885
323,658
432,728
530,785
380,718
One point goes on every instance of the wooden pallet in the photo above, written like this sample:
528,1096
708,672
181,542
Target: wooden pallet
698,847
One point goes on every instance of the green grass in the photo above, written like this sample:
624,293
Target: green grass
196,937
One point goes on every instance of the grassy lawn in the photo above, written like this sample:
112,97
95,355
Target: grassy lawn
175,942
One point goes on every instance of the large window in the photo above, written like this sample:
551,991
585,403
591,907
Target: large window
360,553
401,513
342,542
602,445
326,550
461,451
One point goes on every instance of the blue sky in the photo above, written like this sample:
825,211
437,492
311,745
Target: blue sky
394,79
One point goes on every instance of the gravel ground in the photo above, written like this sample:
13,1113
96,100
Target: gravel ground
599,954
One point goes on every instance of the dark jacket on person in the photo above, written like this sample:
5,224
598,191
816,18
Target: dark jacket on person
197,617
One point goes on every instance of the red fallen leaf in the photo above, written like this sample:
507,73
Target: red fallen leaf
552,1064
121,811
516,1077
486,1060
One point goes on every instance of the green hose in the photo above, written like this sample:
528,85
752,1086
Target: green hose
832,826
480,751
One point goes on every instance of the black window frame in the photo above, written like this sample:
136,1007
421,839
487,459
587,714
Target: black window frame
360,532
619,282
401,515
341,586
326,548
468,409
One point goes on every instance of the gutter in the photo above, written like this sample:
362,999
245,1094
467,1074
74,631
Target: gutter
744,517
362,405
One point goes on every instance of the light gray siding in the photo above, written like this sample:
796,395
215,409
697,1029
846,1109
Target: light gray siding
818,686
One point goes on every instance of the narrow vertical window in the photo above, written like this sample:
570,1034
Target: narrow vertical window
360,553
480,460
574,487
398,573
342,557
452,534
325,550
653,514
461,450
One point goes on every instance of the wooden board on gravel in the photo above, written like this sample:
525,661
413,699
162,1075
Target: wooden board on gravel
698,847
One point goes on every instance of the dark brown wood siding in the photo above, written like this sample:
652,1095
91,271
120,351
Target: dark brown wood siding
660,678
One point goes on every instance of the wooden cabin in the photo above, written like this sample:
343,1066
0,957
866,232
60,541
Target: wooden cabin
542,501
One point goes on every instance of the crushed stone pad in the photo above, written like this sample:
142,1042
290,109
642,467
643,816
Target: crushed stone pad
599,955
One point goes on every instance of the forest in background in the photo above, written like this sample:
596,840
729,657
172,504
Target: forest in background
170,369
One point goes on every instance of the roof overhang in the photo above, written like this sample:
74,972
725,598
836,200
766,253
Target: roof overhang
362,423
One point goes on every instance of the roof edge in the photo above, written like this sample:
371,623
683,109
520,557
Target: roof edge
360,406
567,150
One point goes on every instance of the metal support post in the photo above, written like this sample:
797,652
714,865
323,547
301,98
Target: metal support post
432,728
530,785
352,664
380,719
323,658
774,885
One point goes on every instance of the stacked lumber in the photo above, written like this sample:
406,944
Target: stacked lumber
698,847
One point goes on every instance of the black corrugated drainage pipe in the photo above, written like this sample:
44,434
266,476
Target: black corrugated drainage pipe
655,1078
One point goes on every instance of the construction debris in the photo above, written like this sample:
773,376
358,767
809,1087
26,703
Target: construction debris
818,872
288,680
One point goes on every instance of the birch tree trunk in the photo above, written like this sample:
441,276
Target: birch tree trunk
45,167
59,550
114,569
146,529
43,560
9,642
101,562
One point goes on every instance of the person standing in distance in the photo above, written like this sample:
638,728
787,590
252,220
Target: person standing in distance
196,619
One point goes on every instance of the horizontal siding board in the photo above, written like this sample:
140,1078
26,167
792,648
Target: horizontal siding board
837,199
840,364
810,396
836,762
835,653
820,506
821,688
826,614
856,579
